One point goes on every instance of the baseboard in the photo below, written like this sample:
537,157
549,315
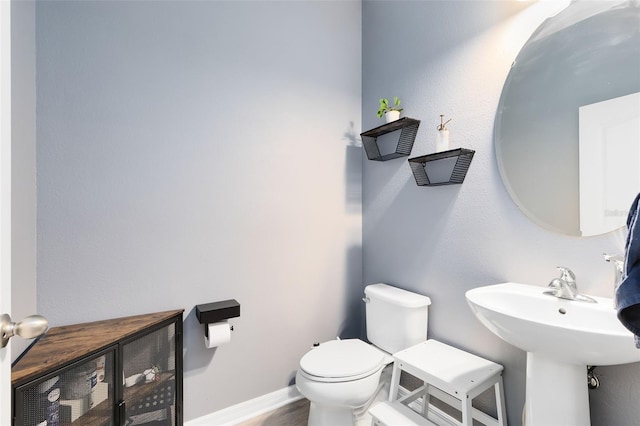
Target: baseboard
235,414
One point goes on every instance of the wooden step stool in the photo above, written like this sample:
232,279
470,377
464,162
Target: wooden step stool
452,375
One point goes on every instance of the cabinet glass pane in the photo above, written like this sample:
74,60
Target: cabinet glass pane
149,368
79,395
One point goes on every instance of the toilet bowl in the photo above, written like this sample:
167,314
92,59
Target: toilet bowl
340,378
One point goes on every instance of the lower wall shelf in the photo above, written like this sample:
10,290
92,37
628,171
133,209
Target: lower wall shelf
442,168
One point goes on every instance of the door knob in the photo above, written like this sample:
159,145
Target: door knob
30,327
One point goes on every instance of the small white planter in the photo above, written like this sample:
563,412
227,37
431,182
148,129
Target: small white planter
391,116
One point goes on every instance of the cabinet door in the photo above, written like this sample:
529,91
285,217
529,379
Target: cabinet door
79,394
149,377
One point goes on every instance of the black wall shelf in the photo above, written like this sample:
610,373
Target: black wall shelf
409,129
442,168
217,311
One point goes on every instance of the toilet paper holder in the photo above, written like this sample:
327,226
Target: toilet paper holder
209,313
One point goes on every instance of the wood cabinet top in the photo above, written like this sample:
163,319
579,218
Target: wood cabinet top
62,345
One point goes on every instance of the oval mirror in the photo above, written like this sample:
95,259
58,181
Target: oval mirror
567,130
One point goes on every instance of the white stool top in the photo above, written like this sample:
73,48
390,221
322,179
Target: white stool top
445,367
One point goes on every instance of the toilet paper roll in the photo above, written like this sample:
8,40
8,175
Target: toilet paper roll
218,333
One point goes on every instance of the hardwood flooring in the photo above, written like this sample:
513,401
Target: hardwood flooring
294,414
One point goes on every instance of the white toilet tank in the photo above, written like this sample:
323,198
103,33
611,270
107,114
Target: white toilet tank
396,318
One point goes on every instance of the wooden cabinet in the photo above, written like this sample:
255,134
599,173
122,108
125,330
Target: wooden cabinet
123,371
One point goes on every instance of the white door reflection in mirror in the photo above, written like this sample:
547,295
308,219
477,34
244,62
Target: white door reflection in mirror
609,147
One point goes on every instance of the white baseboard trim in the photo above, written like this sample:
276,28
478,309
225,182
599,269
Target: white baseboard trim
235,414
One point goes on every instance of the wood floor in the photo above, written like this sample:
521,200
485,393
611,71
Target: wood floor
294,414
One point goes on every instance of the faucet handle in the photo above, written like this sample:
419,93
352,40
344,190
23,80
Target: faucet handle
616,259
555,284
567,275
612,257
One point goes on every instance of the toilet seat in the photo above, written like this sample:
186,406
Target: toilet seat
341,361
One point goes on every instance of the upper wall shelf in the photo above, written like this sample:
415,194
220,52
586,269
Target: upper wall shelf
409,127
442,168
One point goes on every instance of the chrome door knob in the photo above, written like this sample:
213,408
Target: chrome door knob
30,327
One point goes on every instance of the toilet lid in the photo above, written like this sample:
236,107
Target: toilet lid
342,358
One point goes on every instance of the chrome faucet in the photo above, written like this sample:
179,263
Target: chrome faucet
565,287
618,267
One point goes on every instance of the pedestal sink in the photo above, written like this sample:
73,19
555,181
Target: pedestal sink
561,337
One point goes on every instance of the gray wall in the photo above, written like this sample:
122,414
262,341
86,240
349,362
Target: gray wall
164,180
23,166
190,152
452,58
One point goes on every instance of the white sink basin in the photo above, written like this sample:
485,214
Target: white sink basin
561,337
575,332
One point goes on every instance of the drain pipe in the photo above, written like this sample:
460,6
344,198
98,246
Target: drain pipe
592,380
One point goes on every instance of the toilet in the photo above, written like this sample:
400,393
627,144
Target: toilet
341,378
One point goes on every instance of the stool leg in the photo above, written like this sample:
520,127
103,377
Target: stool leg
467,417
500,405
426,399
395,381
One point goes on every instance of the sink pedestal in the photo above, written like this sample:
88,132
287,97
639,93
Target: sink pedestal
556,393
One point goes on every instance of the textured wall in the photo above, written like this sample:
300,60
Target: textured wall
165,180
190,152
452,58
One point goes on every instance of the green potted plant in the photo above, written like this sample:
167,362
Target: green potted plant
391,113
